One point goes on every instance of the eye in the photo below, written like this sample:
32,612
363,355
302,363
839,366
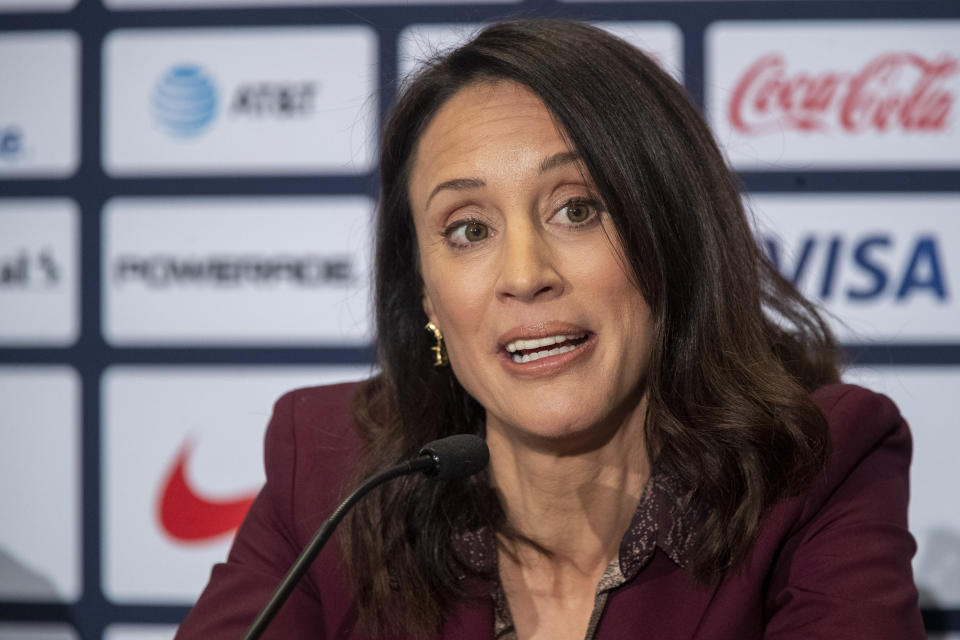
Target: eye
466,232
576,212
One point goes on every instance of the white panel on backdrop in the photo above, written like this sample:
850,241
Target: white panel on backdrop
887,266
36,5
40,473
662,40
36,631
420,42
39,104
851,93
927,397
139,632
267,270
251,100
198,4
189,440
39,271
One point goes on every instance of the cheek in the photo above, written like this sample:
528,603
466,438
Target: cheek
461,317
613,294
604,282
459,311
460,290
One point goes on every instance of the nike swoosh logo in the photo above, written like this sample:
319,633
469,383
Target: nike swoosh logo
187,516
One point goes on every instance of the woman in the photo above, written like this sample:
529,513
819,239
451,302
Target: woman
671,456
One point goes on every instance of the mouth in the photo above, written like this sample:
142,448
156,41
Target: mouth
523,351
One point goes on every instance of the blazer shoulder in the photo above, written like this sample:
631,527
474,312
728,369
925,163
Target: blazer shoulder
325,398
321,410
843,396
859,419
865,427
312,442
841,550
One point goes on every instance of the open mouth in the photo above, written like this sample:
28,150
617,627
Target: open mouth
521,351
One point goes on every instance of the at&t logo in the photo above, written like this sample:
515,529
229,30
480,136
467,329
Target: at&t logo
11,142
185,101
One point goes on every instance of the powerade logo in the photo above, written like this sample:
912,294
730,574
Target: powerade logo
161,271
863,268
185,101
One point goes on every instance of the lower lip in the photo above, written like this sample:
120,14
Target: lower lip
549,365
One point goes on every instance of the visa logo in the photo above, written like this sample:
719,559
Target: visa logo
862,268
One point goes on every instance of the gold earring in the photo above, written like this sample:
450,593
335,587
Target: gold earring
440,358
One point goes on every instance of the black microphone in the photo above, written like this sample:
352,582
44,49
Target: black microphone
445,459
456,456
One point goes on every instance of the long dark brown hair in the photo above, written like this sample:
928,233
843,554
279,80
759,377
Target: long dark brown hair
737,350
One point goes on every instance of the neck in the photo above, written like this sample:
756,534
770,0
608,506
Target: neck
570,502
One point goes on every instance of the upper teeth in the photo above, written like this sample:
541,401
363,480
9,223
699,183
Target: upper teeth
523,345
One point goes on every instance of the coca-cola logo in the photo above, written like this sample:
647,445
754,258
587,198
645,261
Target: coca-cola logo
893,91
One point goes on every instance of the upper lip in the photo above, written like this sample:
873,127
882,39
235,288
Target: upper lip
539,330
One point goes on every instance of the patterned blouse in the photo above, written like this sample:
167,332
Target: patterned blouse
660,521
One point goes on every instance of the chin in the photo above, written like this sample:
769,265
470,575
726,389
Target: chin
555,428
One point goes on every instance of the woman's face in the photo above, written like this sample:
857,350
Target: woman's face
522,271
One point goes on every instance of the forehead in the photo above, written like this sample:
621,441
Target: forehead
488,127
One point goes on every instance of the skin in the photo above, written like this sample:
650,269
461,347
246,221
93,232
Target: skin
514,242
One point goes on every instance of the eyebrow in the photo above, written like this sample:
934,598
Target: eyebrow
558,160
465,184
457,184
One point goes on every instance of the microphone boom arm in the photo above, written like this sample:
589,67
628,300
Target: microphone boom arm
425,463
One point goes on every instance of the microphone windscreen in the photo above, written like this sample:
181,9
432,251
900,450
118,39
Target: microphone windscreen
457,456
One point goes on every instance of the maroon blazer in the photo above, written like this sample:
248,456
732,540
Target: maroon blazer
833,563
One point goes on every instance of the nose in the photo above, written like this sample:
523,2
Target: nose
528,269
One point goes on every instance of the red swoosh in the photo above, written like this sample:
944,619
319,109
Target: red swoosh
188,516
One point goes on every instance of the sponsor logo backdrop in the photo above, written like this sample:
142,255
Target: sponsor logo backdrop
237,270
35,631
835,94
227,101
40,468
39,271
40,108
185,199
139,632
661,40
182,451
882,265
36,5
